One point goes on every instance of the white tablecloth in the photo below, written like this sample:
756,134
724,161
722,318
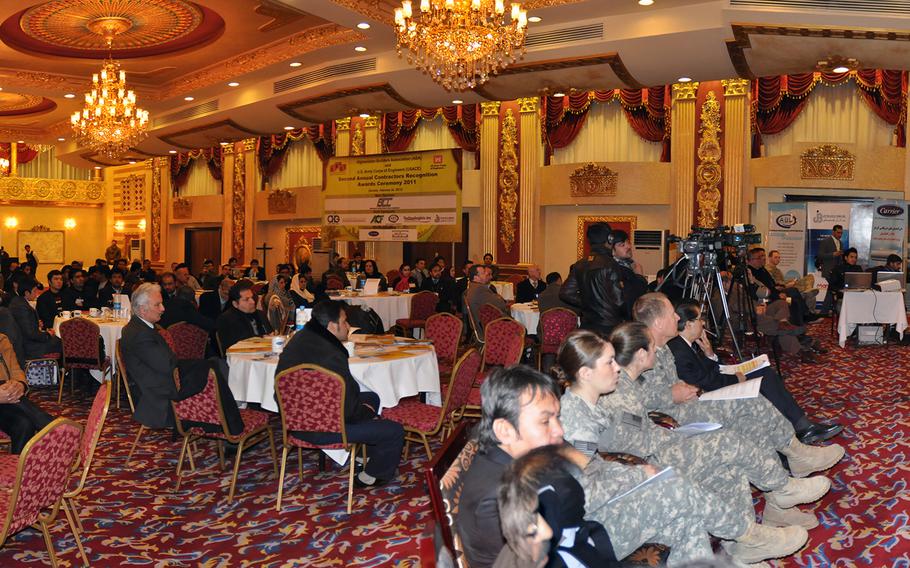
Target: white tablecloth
504,289
526,316
110,333
388,307
870,307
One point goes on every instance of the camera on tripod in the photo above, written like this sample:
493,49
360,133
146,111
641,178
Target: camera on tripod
704,239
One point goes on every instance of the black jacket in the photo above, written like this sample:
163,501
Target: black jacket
695,368
78,300
10,329
49,307
594,286
26,317
233,326
526,292
106,295
210,305
150,365
179,310
314,344
478,512
445,289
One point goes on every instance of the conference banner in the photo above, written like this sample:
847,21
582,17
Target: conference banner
821,216
787,235
406,196
889,230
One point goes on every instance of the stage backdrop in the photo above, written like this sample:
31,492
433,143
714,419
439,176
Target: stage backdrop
821,216
406,196
787,234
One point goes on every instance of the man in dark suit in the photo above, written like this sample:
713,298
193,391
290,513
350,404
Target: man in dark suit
77,296
37,343
549,298
461,285
830,251
443,286
697,365
531,287
50,303
182,308
213,302
150,365
20,419
319,343
255,272
114,286
241,320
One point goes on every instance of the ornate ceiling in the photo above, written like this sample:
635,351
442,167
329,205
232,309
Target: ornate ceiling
180,56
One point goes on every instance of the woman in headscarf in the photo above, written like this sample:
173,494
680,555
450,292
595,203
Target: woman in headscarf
300,287
278,287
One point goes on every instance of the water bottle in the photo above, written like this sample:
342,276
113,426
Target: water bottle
299,319
117,307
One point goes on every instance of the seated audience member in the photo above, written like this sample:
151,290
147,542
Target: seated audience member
837,281
697,365
303,291
405,281
255,272
96,279
241,320
759,278
147,273
461,284
550,299
479,293
320,343
168,283
37,343
207,277
181,307
50,302
892,264
150,364
356,264
336,269
371,270
114,286
77,296
20,418
213,302
488,262
443,286
420,272
520,412
805,285
278,288
531,287
184,278
133,276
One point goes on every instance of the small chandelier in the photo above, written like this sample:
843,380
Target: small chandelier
460,44
110,122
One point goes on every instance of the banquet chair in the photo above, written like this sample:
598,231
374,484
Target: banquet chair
391,275
444,330
311,399
422,421
41,475
445,479
423,305
206,408
334,282
488,313
168,338
81,340
504,348
472,322
189,340
555,325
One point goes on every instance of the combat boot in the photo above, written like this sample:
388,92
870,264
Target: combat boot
774,516
799,491
805,460
763,543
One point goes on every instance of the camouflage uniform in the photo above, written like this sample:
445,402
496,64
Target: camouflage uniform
670,511
755,419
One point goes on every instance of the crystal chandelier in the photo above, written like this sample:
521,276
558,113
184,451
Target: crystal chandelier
460,44
110,122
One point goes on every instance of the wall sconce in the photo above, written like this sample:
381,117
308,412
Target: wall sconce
119,226
11,222
141,224
69,223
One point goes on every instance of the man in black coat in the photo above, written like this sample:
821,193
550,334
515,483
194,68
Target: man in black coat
50,303
213,302
150,365
37,343
241,320
77,296
697,365
319,343
182,308
443,286
594,286
113,286
531,287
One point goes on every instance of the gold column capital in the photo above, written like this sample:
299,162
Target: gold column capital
490,108
528,104
371,122
249,144
160,161
343,124
685,91
735,87
228,149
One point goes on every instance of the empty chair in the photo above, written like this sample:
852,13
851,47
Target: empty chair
423,305
555,325
81,340
189,340
444,330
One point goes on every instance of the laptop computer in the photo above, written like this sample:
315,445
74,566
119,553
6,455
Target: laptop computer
857,280
901,277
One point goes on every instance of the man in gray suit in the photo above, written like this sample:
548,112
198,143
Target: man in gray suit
831,254
479,293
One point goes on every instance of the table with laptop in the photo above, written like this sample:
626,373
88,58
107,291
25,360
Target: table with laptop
389,306
863,304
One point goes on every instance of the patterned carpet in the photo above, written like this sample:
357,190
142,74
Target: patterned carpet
133,516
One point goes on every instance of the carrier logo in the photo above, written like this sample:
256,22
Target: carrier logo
890,210
786,220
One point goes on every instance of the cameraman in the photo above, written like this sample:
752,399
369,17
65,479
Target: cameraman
594,284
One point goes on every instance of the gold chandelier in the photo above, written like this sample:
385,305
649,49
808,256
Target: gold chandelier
460,44
110,122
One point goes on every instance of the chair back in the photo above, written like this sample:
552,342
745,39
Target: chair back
311,399
258,287
81,348
462,379
505,343
168,338
488,313
475,328
204,407
445,480
189,340
42,474
555,325
423,305
334,282
444,330
125,378
93,426
391,275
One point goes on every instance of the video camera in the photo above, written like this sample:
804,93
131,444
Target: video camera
704,239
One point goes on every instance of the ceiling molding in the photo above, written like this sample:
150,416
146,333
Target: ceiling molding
281,15
293,108
170,138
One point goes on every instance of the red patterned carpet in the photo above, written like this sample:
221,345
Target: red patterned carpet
133,516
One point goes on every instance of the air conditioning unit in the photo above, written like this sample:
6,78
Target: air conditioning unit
651,250
137,249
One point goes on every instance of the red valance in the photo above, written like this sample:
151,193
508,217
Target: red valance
271,150
180,164
24,152
400,128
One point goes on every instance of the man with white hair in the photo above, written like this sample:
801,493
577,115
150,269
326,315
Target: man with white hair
150,365
531,287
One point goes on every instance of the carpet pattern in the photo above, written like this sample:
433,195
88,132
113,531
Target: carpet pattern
133,516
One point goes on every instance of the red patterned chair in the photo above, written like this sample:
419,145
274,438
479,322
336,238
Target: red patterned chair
311,399
81,340
41,475
258,287
488,313
445,479
555,325
334,282
444,330
504,348
423,305
206,408
421,421
391,275
168,338
190,340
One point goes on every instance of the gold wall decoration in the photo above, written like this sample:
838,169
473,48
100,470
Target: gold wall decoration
183,208
129,195
685,91
735,87
57,191
282,201
238,204
827,162
593,180
343,124
155,208
627,223
41,228
490,108
508,181
358,144
708,173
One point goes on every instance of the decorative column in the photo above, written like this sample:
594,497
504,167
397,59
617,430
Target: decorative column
229,156
252,183
529,179
683,162
489,171
342,148
736,140
158,207
372,137
237,201
13,161
709,173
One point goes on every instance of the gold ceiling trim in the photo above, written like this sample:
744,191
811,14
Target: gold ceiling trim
292,108
47,191
280,14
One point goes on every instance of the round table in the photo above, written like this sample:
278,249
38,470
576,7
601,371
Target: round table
527,315
111,329
504,289
389,307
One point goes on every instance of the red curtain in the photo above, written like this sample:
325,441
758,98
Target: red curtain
180,164
214,158
271,150
648,113
323,137
24,152
399,128
463,125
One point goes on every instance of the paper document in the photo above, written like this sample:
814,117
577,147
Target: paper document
747,389
697,428
666,473
747,367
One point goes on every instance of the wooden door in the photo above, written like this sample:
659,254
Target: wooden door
202,244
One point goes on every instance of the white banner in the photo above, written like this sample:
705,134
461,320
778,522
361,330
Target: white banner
787,235
889,230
